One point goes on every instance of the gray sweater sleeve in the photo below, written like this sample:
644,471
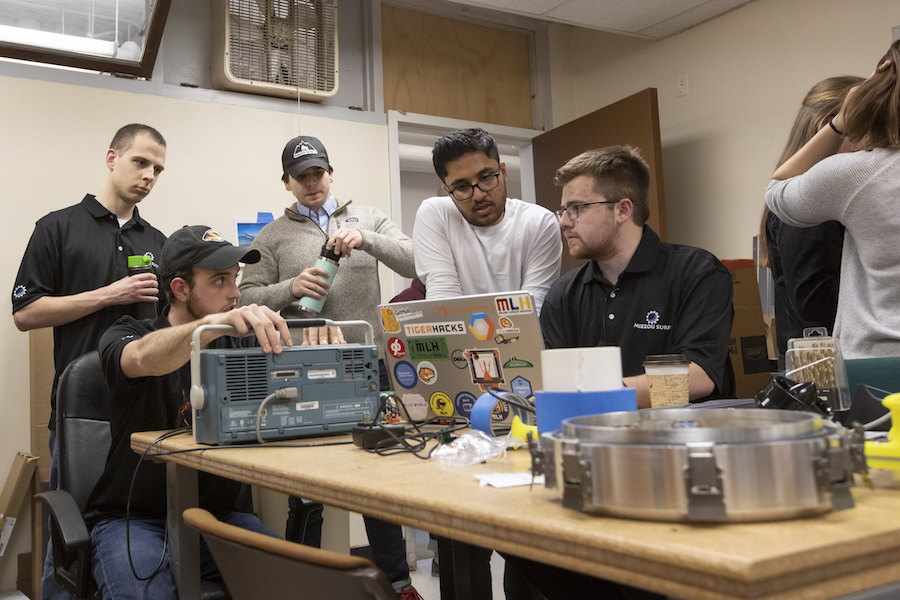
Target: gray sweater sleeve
826,191
260,282
389,245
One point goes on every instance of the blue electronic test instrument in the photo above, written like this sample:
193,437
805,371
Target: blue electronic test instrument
244,394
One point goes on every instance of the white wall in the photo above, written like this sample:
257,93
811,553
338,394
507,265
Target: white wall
747,73
222,162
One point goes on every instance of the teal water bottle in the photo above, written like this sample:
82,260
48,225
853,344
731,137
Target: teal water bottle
328,261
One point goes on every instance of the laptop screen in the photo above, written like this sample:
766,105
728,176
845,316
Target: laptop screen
443,354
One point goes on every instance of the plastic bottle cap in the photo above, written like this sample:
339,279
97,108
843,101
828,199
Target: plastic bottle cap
330,254
140,260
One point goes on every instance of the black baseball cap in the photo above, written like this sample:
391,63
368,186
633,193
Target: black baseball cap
302,153
202,247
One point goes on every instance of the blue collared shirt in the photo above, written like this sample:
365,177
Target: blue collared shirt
324,213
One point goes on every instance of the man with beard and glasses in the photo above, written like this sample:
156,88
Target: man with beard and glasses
147,368
475,240
636,292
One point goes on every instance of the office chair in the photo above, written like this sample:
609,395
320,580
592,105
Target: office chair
83,441
258,566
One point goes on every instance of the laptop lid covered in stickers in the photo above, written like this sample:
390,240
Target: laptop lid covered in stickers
443,354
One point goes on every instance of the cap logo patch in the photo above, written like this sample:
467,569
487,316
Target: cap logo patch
212,235
304,148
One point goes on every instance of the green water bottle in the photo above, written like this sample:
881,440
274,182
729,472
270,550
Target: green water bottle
142,263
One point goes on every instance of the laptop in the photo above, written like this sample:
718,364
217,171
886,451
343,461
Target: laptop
443,354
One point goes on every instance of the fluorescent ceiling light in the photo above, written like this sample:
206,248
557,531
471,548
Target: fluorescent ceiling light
56,41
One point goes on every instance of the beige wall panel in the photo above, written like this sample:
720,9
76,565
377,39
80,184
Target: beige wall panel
447,68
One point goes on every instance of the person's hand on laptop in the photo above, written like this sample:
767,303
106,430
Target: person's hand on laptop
322,336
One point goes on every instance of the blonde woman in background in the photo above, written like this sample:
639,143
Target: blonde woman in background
862,191
806,262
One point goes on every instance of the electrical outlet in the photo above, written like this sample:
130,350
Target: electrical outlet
681,85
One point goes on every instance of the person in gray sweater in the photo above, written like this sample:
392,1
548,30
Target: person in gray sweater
289,246
859,189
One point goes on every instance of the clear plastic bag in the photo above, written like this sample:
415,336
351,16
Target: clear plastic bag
470,448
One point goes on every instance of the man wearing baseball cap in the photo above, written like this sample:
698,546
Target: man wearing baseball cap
146,364
362,237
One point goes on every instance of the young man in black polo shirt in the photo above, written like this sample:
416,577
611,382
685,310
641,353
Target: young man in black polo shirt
147,367
635,292
74,274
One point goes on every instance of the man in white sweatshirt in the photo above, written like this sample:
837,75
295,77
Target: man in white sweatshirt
476,240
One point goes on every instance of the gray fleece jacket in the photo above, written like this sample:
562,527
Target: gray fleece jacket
293,242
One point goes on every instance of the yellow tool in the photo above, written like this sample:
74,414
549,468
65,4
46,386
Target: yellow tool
886,455
520,430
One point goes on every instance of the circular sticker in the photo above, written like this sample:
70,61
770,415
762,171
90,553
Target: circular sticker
464,402
500,412
459,360
441,405
427,373
416,407
396,348
405,374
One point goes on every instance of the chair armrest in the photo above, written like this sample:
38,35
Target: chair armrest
71,542
68,521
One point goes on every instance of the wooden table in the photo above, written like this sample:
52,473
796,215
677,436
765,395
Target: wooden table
806,559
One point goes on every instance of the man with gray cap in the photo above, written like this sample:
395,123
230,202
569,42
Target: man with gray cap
147,368
290,246
361,237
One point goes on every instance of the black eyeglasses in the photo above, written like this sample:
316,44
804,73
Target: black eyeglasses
572,209
465,191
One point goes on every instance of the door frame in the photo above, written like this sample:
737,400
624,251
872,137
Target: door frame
399,122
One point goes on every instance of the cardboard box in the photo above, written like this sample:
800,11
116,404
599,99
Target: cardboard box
14,491
748,346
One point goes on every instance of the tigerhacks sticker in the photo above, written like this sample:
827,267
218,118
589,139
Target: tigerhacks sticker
432,329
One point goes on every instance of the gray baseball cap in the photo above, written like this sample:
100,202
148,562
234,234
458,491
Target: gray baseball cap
302,153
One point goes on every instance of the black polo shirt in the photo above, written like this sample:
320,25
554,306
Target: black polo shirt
670,299
148,404
74,250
